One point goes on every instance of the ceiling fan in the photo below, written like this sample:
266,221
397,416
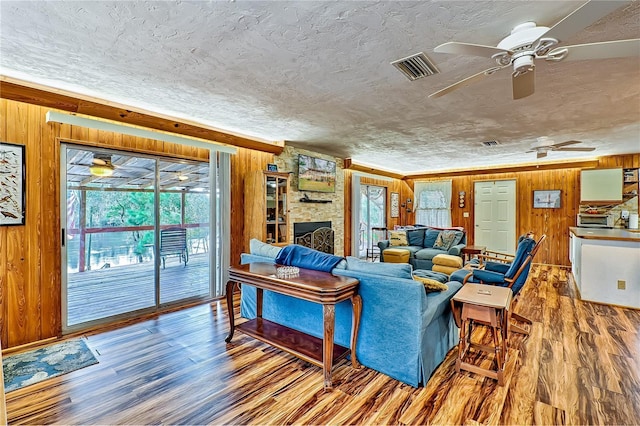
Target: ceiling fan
544,147
101,165
528,42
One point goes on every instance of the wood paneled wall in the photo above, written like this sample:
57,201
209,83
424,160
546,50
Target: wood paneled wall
243,164
553,222
30,286
393,185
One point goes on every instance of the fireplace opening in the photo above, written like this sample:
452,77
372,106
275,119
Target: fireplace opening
316,235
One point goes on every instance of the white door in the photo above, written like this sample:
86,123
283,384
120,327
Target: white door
495,215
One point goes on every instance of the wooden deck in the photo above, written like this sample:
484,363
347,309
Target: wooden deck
106,292
580,365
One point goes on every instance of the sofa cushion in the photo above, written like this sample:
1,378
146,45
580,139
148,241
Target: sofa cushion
398,270
398,238
425,273
415,237
448,260
430,238
259,248
447,239
431,284
428,253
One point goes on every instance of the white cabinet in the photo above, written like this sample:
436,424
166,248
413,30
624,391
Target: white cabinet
606,270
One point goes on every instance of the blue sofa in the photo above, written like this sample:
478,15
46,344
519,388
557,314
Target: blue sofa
404,333
421,249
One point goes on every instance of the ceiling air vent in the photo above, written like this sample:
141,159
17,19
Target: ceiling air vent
416,66
490,143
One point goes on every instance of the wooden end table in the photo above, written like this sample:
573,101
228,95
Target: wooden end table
314,286
487,305
469,251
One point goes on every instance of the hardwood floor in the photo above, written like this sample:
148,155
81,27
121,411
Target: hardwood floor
579,365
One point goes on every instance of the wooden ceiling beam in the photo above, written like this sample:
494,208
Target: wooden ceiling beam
53,98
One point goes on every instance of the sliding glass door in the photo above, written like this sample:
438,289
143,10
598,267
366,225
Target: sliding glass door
136,234
184,215
373,214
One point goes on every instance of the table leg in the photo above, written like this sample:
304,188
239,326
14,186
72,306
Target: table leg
259,293
232,326
329,315
356,301
462,344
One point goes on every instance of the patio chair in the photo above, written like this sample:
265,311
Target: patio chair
173,242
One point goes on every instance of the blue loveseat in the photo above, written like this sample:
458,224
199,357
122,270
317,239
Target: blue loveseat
421,247
404,333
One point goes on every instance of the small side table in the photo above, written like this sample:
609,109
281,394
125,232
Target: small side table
469,252
487,305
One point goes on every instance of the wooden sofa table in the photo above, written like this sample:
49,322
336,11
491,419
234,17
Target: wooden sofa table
488,305
314,286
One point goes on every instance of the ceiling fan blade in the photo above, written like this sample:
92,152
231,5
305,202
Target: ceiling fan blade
566,143
467,81
541,154
581,18
524,84
457,48
602,50
585,149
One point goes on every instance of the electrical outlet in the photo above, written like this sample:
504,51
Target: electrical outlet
622,284
465,214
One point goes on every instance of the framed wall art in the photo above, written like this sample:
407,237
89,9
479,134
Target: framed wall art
395,204
546,199
12,184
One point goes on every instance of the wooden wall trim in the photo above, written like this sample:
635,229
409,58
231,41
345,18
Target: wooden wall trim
52,98
350,165
579,164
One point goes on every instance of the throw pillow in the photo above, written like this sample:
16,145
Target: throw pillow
458,238
415,237
445,240
259,248
398,238
430,238
397,270
431,285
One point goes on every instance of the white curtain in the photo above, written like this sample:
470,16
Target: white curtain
433,203
220,214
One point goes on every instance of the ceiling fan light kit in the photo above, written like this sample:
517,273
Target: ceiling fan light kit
528,42
101,170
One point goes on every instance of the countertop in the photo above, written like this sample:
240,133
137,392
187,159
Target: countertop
606,234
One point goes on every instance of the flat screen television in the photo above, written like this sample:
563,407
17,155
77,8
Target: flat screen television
316,174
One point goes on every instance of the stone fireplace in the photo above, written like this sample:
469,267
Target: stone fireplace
331,208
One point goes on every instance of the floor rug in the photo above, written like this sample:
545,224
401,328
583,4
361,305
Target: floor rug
34,366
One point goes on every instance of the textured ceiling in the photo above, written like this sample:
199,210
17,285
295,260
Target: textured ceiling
317,74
